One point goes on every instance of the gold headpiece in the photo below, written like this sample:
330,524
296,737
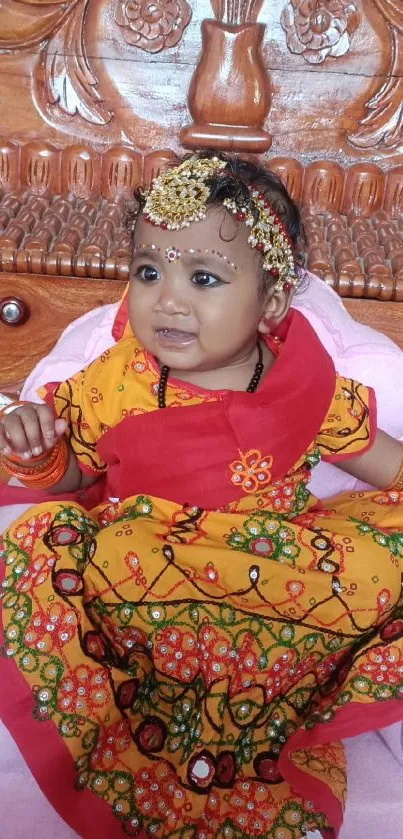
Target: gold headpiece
179,197
269,236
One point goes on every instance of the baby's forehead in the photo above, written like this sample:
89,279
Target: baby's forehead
218,233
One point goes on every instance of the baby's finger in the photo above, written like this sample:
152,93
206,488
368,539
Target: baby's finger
47,425
16,434
4,444
30,420
60,427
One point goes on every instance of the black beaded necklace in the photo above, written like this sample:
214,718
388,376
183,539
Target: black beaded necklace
257,375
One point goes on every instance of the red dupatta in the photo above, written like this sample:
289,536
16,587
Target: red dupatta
190,454
185,454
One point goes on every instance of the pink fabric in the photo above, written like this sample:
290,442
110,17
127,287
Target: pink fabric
25,813
361,353
373,808
375,760
375,783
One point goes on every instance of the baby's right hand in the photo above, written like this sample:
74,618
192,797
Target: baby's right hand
30,430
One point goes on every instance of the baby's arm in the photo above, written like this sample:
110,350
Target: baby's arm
380,465
32,430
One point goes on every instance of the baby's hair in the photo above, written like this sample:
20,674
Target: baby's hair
235,182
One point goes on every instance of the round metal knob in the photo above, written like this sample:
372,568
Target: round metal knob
13,311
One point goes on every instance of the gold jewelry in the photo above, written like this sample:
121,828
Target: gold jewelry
397,483
179,197
269,236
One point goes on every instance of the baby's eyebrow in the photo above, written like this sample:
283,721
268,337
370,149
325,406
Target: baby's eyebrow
172,253
214,252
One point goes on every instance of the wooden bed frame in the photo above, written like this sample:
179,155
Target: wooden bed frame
96,100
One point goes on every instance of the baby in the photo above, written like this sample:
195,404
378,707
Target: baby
201,630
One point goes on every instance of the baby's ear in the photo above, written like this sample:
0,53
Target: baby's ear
275,309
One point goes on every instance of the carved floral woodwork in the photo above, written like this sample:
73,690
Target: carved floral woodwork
107,72
19,30
65,83
382,126
319,29
152,25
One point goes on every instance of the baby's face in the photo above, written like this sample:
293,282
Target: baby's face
194,300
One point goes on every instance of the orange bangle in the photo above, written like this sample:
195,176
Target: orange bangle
33,466
397,483
8,409
14,458
40,472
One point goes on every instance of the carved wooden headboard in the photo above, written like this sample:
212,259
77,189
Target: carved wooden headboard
96,95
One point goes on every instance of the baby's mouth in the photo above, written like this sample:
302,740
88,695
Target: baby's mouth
175,336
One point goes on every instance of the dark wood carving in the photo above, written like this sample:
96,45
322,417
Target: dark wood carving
64,80
154,25
119,72
66,85
319,29
324,186
62,212
64,77
229,95
382,127
154,163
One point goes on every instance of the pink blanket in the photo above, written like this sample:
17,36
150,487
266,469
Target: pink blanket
374,802
375,760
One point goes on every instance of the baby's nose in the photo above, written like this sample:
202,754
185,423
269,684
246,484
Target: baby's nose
173,299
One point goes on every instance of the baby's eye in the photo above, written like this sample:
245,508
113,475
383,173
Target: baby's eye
204,279
147,273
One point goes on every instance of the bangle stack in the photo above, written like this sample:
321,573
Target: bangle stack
40,472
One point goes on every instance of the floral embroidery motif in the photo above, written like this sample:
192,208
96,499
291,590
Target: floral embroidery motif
52,629
382,666
176,683
83,690
252,471
266,536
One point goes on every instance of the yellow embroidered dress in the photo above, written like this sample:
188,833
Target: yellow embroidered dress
183,654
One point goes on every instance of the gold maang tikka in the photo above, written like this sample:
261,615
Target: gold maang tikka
179,197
